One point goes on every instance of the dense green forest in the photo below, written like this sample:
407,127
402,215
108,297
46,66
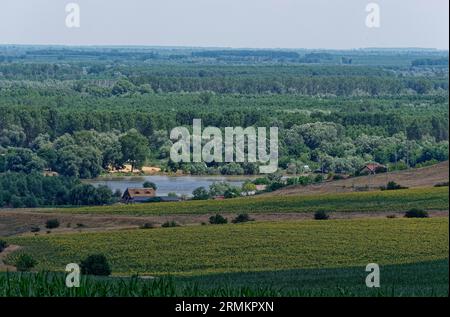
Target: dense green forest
80,111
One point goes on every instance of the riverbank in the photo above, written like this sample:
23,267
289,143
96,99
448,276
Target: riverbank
181,185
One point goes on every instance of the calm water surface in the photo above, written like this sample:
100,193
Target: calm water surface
182,185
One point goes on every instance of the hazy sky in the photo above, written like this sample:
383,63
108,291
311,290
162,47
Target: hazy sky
228,23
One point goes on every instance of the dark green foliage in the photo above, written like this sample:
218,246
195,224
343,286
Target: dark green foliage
24,262
242,218
135,148
86,194
148,184
22,160
147,225
200,193
95,264
232,192
275,185
3,245
80,127
52,224
392,186
430,61
122,87
261,181
217,220
170,224
33,190
416,213
232,169
319,178
321,215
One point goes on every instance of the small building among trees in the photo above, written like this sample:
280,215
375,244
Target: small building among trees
138,195
372,169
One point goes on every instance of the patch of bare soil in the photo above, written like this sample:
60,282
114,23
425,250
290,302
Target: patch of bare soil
20,222
4,254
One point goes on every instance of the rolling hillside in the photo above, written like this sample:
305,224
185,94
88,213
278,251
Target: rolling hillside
413,178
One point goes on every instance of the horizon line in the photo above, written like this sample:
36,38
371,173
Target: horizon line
230,47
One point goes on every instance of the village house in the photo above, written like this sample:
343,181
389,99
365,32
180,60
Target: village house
138,195
372,169
145,195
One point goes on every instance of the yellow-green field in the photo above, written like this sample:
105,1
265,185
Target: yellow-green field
259,246
430,198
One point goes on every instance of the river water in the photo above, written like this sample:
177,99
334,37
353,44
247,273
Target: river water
182,185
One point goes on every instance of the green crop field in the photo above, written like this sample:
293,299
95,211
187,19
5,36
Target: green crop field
259,246
400,200
418,279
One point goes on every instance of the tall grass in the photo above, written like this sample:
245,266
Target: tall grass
419,279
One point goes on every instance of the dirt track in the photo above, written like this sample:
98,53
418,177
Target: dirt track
4,254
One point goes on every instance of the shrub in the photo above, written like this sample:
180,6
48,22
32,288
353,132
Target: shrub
292,181
443,184
169,224
3,245
319,178
217,220
35,229
392,186
24,262
200,193
232,193
95,264
52,224
261,181
391,216
321,215
242,218
275,186
416,213
305,180
147,225
148,184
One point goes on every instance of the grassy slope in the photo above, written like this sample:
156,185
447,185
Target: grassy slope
249,247
418,279
430,198
413,178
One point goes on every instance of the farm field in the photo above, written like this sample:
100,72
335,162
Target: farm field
258,246
418,279
431,198
78,121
